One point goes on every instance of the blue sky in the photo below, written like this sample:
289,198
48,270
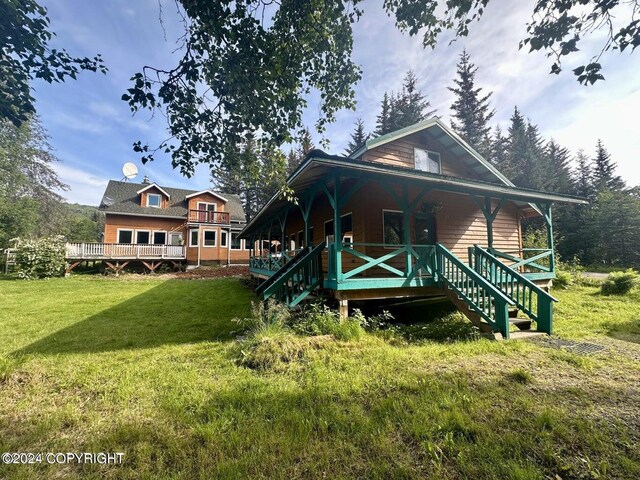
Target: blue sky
92,130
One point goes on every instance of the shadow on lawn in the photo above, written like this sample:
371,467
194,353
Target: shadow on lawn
174,312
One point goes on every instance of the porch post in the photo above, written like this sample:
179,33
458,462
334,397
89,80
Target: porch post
283,224
489,218
549,221
337,228
407,228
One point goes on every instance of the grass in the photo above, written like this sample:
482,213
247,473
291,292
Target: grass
151,368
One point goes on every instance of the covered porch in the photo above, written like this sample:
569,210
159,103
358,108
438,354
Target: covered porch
343,199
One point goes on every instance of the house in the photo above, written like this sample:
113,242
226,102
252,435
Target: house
416,213
156,224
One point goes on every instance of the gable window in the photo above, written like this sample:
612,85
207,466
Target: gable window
143,237
426,160
159,237
125,236
193,238
209,238
223,238
154,200
393,227
236,243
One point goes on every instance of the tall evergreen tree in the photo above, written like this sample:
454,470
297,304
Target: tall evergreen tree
558,175
604,177
405,108
499,154
471,108
583,175
358,138
383,119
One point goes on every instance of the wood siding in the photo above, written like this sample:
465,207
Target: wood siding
217,254
400,153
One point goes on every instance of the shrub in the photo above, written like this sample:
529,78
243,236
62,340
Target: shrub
619,283
563,280
40,258
318,319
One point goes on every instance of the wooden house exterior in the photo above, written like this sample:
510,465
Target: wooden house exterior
413,213
154,224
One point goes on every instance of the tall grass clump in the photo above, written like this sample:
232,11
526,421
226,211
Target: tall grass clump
318,319
619,283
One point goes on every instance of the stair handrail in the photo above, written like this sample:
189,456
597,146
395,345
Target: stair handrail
282,270
495,292
512,271
267,287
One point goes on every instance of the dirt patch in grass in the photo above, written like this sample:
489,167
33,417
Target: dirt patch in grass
213,272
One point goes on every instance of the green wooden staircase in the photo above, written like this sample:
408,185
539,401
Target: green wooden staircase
297,278
487,291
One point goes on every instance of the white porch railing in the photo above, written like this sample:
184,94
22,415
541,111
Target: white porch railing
97,251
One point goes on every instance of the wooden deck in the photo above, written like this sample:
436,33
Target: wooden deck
124,251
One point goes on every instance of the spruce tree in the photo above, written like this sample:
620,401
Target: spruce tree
583,176
383,118
413,107
471,108
604,167
306,144
499,154
558,177
358,138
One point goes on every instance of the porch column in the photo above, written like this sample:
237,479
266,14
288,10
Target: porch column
305,209
406,215
337,228
546,210
490,215
283,224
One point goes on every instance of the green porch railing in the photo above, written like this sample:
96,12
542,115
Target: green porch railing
271,262
419,260
477,292
297,279
527,296
534,262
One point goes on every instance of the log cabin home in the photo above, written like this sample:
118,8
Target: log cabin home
153,224
416,213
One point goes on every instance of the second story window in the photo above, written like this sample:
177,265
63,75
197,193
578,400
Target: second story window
154,200
426,160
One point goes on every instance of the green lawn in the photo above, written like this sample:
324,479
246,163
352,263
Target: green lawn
149,367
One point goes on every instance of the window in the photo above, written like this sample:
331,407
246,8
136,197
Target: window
346,228
426,161
193,238
236,243
223,238
209,238
154,200
328,231
159,237
175,238
143,237
206,212
393,227
125,236
301,239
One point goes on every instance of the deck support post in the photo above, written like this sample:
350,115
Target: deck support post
343,308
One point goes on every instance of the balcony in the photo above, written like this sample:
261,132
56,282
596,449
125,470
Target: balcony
123,251
209,216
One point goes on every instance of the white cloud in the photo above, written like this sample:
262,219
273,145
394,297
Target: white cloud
85,188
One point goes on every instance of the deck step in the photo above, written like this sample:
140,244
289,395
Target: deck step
522,323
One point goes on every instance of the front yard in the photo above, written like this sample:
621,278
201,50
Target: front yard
148,367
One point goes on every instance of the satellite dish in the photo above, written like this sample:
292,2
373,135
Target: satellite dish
108,201
129,170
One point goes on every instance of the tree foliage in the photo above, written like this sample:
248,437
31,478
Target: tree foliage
471,109
25,55
358,138
405,108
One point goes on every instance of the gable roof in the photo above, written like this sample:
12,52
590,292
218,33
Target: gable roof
318,164
123,198
202,192
449,139
156,186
